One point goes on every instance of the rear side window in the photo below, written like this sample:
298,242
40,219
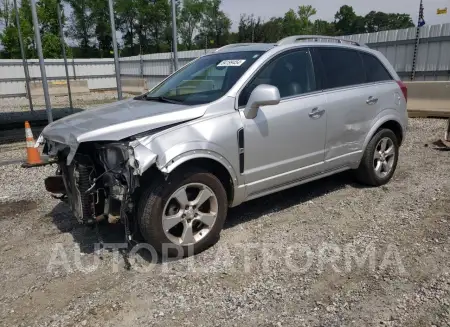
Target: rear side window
341,67
375,70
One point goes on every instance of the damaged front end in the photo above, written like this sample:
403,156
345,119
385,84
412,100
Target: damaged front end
100,179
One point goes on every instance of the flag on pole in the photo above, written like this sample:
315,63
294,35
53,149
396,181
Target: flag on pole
421,21
442,11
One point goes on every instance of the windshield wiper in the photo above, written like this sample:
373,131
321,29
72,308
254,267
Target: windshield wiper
160,99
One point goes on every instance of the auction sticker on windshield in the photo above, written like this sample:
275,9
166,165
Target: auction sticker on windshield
231,63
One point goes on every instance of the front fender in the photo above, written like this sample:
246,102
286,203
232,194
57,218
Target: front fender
184,152
239,189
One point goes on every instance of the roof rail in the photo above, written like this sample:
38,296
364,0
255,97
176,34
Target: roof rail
315,38
233,45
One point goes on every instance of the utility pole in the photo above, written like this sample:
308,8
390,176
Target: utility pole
37,35
63,45
116,52
24,58
174,35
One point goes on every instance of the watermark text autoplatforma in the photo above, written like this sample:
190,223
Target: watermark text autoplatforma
246,257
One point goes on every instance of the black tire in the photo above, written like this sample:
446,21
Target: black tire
153,201
365,173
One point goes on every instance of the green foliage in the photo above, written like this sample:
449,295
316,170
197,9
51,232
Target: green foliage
51,46
380,21
10,37
126,17
145,26
190,18
250,29
81,27
46,10
215,24
99,17
347,22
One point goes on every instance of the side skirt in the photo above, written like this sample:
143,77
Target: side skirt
297,182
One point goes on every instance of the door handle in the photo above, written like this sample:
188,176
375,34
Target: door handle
316,113
372,100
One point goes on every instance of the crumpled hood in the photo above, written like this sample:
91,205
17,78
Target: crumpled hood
116,121
119,120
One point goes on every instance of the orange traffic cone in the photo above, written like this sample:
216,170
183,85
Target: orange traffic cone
33,156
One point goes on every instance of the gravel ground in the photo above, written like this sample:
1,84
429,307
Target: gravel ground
283,260
78,100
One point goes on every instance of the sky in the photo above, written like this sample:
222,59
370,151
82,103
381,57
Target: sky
327,8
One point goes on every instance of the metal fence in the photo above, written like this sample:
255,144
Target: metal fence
433,61
433,55
98,72
155,67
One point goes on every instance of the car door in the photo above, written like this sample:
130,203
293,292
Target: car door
351,104
388,93
285,142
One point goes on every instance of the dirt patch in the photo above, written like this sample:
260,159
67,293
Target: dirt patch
11,209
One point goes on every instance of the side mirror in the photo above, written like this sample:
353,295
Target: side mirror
262,95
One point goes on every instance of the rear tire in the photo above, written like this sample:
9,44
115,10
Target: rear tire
159,204
379,160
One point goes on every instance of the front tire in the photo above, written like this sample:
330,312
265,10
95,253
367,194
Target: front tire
379,160
183,215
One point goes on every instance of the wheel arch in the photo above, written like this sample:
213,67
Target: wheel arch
209,161
390,122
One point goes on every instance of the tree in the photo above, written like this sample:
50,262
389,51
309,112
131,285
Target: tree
299,23
399,21
81,27
190,17
47,16
159,26
102,28
51,46
273,30
126,15
9,36
380,21
215,25
291,23
49,27
347,22
304,15
6,11
250,29
322,27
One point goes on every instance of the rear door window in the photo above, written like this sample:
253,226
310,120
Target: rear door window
375,70
341,67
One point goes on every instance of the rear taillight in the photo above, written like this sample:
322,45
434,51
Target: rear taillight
404,89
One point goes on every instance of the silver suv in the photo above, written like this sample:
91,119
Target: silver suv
243,122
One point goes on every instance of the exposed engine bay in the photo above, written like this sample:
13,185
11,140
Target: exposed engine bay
99,181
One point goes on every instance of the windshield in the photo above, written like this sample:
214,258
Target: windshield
205,80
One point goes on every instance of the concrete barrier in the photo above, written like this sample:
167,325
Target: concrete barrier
428,99
134,85
59,88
